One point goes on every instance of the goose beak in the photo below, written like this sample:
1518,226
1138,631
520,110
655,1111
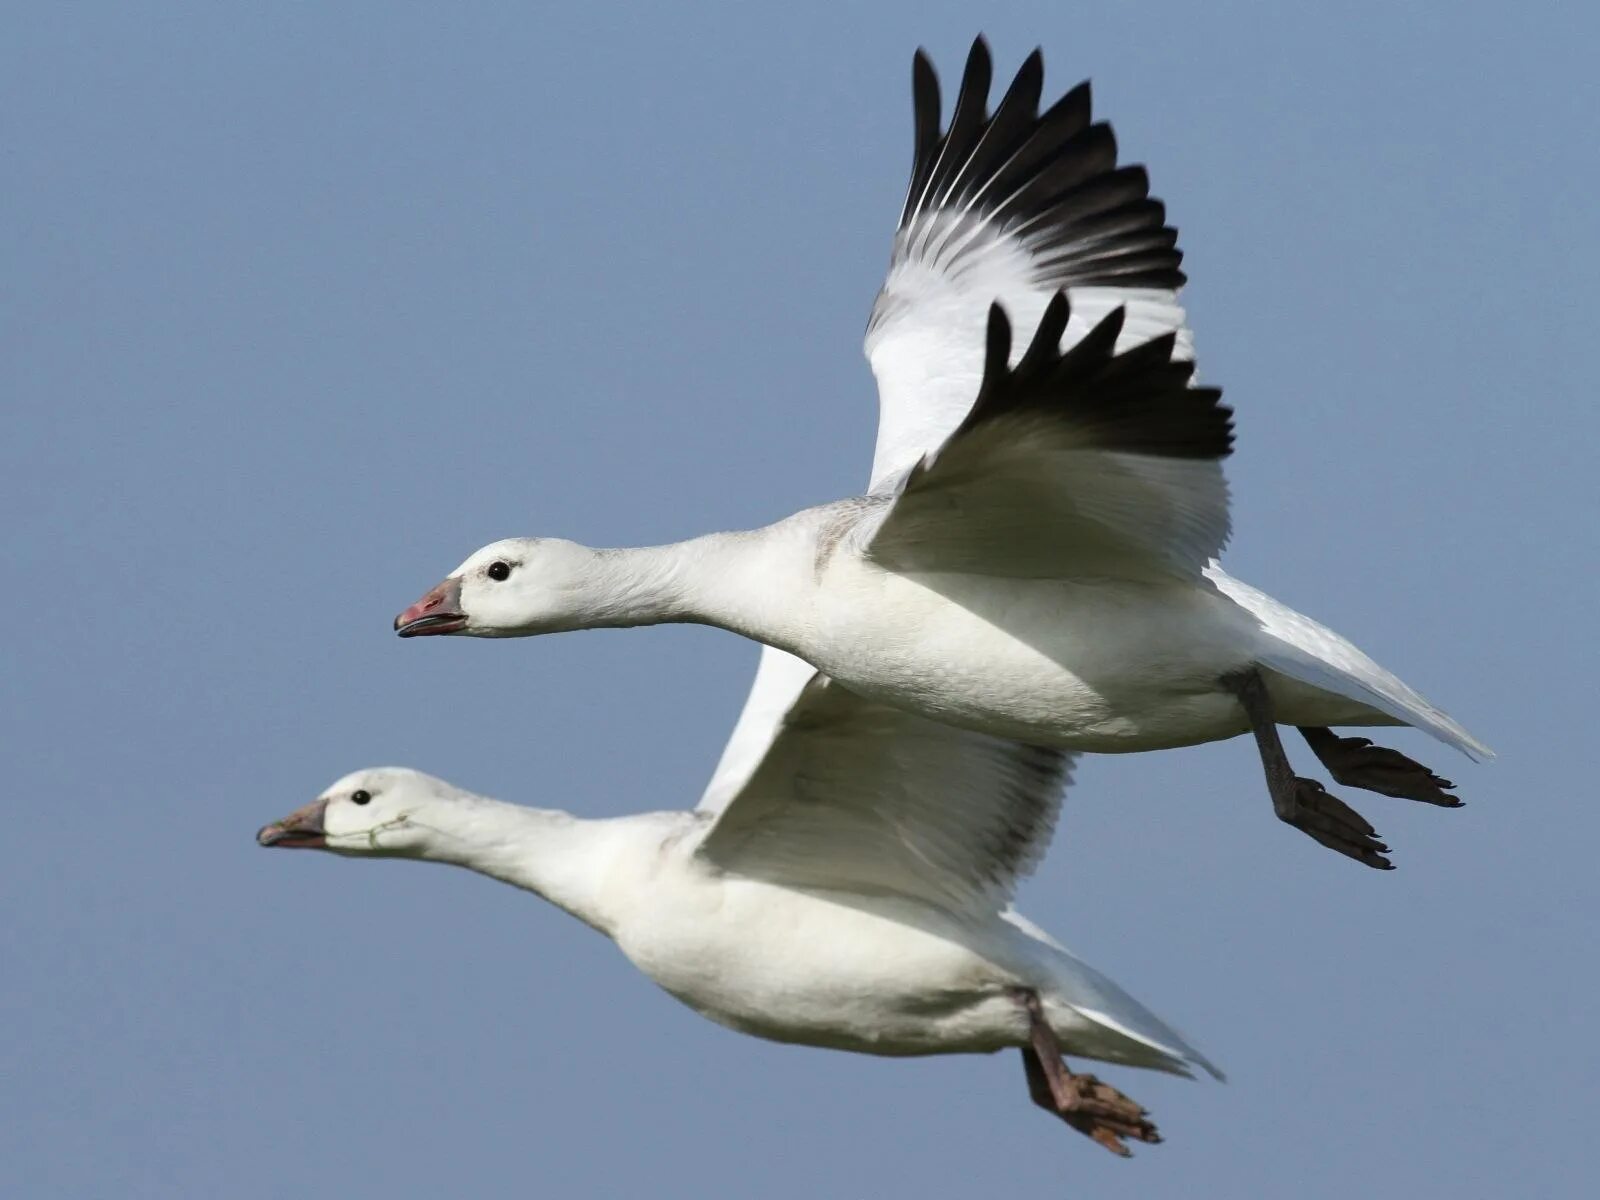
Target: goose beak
301,829
437,612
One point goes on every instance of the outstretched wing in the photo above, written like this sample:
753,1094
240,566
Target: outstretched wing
1008,207
859,796
1087,463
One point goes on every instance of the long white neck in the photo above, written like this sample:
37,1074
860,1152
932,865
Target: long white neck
754,583
583,867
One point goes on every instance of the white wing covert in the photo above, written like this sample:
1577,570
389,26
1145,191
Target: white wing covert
780,677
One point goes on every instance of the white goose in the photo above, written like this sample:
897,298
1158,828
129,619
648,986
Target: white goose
1035,555
847,888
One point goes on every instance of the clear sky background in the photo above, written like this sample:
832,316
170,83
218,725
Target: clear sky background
302,303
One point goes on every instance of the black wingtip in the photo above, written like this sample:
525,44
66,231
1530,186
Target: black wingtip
924,79
996,351
1057,313
1140,402
1045,349
1019,107
975,79
1050,178
925,113
973,99
1103,337
1070,115
1032,69
998,337
1160,350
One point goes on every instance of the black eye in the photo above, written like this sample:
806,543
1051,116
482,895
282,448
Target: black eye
360,796
499,571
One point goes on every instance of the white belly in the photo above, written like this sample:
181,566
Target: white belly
876,975
798,967
1099,666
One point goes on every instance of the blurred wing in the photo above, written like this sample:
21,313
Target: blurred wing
1069,465
1008,207
861,797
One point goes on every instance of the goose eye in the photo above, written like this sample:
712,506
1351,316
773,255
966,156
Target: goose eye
499,571
360,796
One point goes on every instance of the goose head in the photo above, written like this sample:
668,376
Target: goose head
383,811
510,588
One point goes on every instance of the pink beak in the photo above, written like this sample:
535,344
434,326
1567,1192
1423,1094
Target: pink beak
301,829
437,612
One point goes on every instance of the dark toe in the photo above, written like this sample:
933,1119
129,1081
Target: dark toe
1320,814
1370,853
1110,1133
1356,762
1103,1109
1104,1137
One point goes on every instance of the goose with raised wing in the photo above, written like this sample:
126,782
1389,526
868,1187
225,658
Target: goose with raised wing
1035,557
845,883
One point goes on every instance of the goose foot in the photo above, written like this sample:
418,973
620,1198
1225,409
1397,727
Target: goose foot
1319,814
1095,1109
1305,803
1355,761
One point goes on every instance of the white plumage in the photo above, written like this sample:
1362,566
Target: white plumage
1035,557
852,895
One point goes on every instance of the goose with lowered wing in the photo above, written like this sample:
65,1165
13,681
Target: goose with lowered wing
845,883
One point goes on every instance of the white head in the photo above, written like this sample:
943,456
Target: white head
383,811
511,588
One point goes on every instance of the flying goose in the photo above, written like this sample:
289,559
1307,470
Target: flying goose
845,886
1035,556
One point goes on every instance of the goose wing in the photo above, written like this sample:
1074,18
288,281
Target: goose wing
779,679
1012,207
861,797
1069,465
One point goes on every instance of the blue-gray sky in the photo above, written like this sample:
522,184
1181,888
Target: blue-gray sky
302,303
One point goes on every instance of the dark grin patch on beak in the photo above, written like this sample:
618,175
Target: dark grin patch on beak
300,830
437,612
434,623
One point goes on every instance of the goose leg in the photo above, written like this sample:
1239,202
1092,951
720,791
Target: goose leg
1357,762
1096,1110
1303,803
